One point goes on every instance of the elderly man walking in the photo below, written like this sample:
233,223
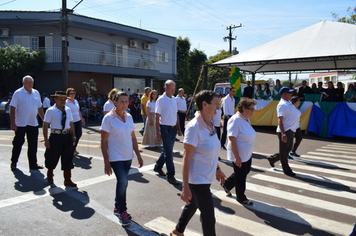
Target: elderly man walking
167,124
182,108
229,110
288,122
24,107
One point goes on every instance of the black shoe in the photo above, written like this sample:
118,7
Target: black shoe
172,181
228,193
37,167
223,147
247,202
159,171
271,161
13,166
219,158
177,140
141,132
291,174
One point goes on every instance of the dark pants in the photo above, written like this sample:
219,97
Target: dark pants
121,170
61,146
202,200
19,139
284,149
218,131
78,132
238,180
224,134
181,117
298,139
168,134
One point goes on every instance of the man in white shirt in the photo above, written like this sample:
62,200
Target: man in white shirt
167,124
61,141
182,108
288,122
24,107
228,103
46,102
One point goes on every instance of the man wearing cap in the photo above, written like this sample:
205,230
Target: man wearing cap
167,124
182,108
24,107
288,122
145,98
61,141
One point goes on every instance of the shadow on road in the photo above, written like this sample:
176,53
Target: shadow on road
35,182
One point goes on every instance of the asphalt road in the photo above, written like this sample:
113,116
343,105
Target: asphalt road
320,200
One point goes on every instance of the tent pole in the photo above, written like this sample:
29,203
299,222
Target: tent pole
253,83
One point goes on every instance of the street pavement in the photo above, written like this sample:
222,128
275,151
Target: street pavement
320,200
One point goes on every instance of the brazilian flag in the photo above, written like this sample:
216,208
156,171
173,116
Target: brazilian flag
235,81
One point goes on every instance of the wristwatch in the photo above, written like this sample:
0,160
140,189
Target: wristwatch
283,135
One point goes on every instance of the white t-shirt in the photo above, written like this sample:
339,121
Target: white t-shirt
205,157
152,106
245,137
119,141
74,108
53,116
229,105
217,118
109,105
290,115
167,108
26,105
46,103
181,104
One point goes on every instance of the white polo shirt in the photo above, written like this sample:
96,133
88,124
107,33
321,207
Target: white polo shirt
167,108
46,103
74,108
109,105
229,105
217,118
53,116
26,105
290,115
181,103
119,141
245,136
205,157
151,105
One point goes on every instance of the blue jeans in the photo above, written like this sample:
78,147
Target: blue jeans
121,170
168,134
77,131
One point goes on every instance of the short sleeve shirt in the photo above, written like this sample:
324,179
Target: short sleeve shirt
205,157
245,136
167,108
217,118
119,141
53,116
289,113
26,107
144,101
109,105
181,104
46,103
74,108
152,106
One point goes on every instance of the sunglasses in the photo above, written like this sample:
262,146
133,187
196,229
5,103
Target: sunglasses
251,109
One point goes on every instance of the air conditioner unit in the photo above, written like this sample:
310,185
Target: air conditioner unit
4,32
146,46
133,43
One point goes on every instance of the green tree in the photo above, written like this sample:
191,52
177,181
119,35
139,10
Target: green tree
351,19
218,74
196,60
183,48
285,83
15,62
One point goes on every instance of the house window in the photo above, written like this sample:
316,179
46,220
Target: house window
162,56
118,55
34,43
312,81
320,79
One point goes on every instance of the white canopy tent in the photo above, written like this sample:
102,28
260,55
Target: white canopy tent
324,46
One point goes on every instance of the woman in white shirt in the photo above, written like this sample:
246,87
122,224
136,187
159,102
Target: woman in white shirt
149,135
240,147
118,142
78,120
200,165
109,105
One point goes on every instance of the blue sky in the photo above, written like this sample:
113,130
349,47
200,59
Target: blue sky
204,22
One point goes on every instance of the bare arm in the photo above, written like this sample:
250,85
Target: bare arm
40,113
45,134
235,151
104,151
135,148
281,127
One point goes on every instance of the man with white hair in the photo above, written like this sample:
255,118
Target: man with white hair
24,107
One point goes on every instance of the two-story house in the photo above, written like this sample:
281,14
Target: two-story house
112,54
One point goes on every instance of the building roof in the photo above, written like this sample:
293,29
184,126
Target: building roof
324,46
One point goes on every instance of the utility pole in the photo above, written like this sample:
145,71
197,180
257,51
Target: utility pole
230,38
64,20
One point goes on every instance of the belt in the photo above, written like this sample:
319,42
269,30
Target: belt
59,131
169,126
182,112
